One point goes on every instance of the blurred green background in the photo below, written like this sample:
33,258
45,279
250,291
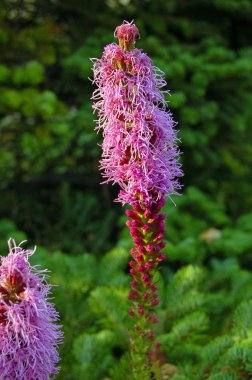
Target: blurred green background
49,180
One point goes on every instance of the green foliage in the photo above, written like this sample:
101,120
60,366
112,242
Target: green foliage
122,370
185,288
110,305
232,354
88,357
205,345
92,316
205,327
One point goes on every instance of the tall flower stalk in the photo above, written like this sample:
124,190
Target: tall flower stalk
139,153
28,335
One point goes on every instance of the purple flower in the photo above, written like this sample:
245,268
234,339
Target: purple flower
28,336
139,145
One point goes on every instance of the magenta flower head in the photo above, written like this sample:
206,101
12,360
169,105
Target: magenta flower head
139,146
28,335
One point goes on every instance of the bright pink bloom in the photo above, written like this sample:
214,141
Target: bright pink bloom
139,146
28,335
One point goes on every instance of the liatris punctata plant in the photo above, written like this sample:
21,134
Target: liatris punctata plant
140,155
28,335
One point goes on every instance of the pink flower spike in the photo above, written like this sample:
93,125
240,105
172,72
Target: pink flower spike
140,155
29,337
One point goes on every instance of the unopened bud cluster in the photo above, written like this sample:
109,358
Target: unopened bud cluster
146,228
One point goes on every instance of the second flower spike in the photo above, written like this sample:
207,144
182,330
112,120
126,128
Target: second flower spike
29,336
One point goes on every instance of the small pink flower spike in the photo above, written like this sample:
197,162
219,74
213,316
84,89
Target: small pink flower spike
29,336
